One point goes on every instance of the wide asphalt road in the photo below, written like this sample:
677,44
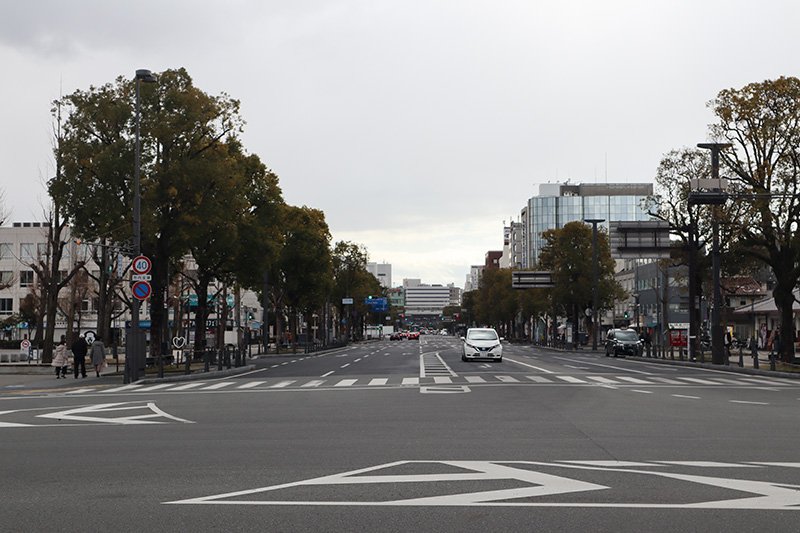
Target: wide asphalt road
404,436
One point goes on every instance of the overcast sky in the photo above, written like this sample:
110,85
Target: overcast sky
417,126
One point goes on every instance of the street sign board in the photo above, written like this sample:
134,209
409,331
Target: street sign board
141,290
347,301
141,277
523,279
141,264
640,239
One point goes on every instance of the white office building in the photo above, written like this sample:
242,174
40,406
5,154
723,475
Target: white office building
382,272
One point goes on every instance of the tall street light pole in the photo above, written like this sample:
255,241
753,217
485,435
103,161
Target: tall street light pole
716,197
595,319
135,345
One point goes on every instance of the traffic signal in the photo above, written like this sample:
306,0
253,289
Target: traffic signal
369,297
626,314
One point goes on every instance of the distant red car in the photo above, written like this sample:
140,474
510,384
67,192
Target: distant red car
414,335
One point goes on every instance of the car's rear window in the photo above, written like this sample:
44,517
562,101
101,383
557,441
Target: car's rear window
482,335
626,335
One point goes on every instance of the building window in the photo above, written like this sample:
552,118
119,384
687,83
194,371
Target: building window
6,306
26,278
6,278
26,251
41,250
5,250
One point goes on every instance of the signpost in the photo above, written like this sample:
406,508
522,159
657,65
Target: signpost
522,279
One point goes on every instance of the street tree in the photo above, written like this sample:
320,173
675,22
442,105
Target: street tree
762,122
352,280
181,128
568,255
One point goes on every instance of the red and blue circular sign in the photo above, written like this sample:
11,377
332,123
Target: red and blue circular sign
141,290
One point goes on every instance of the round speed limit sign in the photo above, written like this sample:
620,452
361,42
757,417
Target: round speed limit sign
141,264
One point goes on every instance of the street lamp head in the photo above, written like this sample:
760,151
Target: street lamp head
145,76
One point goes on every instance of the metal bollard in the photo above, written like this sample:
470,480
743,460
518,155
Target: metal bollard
771,361
219,359
206,360
741,357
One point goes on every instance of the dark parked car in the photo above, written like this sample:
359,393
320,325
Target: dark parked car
623,342
395,337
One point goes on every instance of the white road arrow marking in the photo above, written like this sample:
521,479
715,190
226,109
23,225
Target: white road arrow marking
82,414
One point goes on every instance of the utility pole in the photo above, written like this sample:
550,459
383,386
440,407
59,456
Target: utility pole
595,318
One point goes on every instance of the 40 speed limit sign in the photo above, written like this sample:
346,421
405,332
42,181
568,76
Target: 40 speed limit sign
141,264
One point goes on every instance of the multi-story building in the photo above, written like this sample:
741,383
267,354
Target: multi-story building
382,272
561,203
473,281
492,259
513,239
425,300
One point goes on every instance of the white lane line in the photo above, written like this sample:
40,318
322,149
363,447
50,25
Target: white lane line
282,384
539,379
603,379
346,383
345,365
410,381
357,360
124,387
701,381
251,384
570,379
642,391
442,379
285,363
685,396
731,381
155,387
273,366
540,369
507,379
634,380
379,381
328,374
474,379
79,391
749,403
188,386
218,385
313,383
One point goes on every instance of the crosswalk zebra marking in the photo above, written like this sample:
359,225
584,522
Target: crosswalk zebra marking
217,386
507,379
187,386
79,391
282,384
251,384
313,383
378,381
603,379
442,379
668,381
634,380
539,379
346,383
700,381
123,388
410,381
474,379
155,387
570,379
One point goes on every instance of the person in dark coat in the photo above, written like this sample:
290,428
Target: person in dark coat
79,351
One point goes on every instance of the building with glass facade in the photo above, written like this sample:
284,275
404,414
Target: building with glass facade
561,203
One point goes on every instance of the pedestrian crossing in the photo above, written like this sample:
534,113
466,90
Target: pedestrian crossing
373,382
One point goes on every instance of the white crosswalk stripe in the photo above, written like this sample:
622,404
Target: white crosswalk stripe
188,386
282,384
410,381
570,379
474,379
701,381
379,381
668,381
79,391
313,383
251,384
346,383
217,386
507,379
634,380
123,388
442,379
603,379
155,387
539,379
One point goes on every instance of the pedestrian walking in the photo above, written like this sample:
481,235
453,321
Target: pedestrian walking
98,356
61,358
79,351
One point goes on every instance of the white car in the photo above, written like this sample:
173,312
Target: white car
482,343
